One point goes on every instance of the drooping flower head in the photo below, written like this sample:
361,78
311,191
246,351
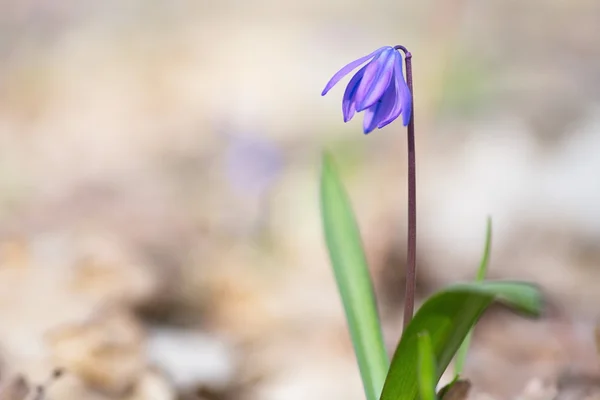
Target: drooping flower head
378,89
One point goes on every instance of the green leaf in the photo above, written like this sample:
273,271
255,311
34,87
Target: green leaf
353,280
481,273
448,316
485,259
427,368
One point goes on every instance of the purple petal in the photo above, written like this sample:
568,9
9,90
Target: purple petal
397,108
368,125
404,96
386,105
380,110
406,100
348,68
376,80
348,103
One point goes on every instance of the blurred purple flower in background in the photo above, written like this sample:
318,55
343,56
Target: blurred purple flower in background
253,164
378,88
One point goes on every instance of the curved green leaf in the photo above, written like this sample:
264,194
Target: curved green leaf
353,280
448,316
427,369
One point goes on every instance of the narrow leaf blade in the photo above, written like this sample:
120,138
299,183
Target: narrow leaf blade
487,250
461,357
353,280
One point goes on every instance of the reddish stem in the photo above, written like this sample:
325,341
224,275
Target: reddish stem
411,262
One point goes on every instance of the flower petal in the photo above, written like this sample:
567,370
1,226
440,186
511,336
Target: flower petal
406,99
380,110
348,103
403,98
348,68
386,105
397,108
368,125
376,80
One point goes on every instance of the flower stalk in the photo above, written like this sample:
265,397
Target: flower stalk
411,257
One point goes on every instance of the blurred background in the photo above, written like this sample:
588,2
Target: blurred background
159,163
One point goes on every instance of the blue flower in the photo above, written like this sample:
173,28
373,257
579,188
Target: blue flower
378,89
